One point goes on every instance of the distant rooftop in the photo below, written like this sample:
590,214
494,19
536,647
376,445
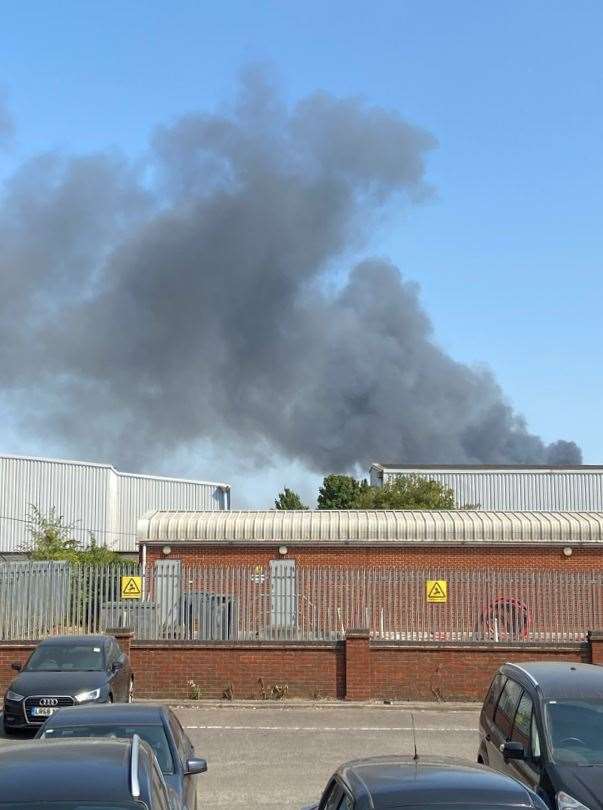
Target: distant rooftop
502,467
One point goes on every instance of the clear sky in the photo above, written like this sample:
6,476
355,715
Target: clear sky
508,252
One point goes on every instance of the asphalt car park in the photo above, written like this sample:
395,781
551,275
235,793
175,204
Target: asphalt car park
281,755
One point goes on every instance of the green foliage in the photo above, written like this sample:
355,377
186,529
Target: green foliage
341,492
288,499
52,539
407,492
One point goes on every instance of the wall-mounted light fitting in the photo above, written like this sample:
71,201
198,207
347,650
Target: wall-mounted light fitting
282,550
568,551
167,550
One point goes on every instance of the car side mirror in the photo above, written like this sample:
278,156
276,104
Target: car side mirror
511,749
117,666
16,667
195,765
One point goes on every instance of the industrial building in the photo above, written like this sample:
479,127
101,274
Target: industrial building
444,540
509,488
96,498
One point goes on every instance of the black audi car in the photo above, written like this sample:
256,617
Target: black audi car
542,722
422,783
83,775
66,671
157,725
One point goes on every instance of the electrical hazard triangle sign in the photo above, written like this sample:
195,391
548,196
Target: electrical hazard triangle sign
131,587
436,590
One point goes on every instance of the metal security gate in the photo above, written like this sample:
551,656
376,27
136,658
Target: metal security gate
283,594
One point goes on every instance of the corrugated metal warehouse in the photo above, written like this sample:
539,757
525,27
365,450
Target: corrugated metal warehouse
95,497
510,488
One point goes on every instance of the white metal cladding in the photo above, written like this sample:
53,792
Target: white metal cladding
322,526
95,497
579,489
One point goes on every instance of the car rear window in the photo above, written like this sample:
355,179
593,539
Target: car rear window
153,734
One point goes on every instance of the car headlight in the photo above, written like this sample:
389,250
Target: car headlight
13,696
567,802
82,697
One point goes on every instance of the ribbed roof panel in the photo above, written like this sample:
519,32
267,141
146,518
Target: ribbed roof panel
322,526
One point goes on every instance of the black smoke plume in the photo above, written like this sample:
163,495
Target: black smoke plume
192,297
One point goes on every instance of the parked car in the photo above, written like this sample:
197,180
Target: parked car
424,782
74,775
65,671
543,723
156,725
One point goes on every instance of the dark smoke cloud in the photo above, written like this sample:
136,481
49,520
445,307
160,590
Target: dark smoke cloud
7,128
145,308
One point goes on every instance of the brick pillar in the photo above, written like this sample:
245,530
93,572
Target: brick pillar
595,640
124,637
357,665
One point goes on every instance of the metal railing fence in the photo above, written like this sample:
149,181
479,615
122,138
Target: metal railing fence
282,601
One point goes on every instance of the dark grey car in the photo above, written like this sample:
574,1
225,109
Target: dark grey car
542,722
75,775
66,671
422,783
157,725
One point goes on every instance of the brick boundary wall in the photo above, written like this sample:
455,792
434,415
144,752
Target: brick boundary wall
437,555
357,669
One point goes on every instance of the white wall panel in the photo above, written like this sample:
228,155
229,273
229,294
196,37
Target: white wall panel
579,490
94,497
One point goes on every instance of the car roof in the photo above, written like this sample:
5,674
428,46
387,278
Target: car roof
393,781
98,770
100,714
98,639
560,679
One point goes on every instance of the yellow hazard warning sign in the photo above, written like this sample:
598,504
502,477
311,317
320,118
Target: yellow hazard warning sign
131,587
436,590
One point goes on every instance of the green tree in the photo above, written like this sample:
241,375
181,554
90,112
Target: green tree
341,492
52,539
407,492
288,499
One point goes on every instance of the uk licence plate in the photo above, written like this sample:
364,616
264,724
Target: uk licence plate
42,711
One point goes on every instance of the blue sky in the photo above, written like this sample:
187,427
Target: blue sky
508,252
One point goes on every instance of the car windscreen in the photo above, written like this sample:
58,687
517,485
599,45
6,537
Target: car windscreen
574,728
67,658
153,734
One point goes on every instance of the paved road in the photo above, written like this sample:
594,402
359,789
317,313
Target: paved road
281,756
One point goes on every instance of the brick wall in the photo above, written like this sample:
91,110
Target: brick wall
308,669
356,669
466,558
451,673
12,651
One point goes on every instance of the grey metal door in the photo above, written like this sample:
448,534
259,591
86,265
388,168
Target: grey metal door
169,594
283,593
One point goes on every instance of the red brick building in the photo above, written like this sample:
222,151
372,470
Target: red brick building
452,540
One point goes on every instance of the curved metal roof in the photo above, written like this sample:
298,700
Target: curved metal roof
376,527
